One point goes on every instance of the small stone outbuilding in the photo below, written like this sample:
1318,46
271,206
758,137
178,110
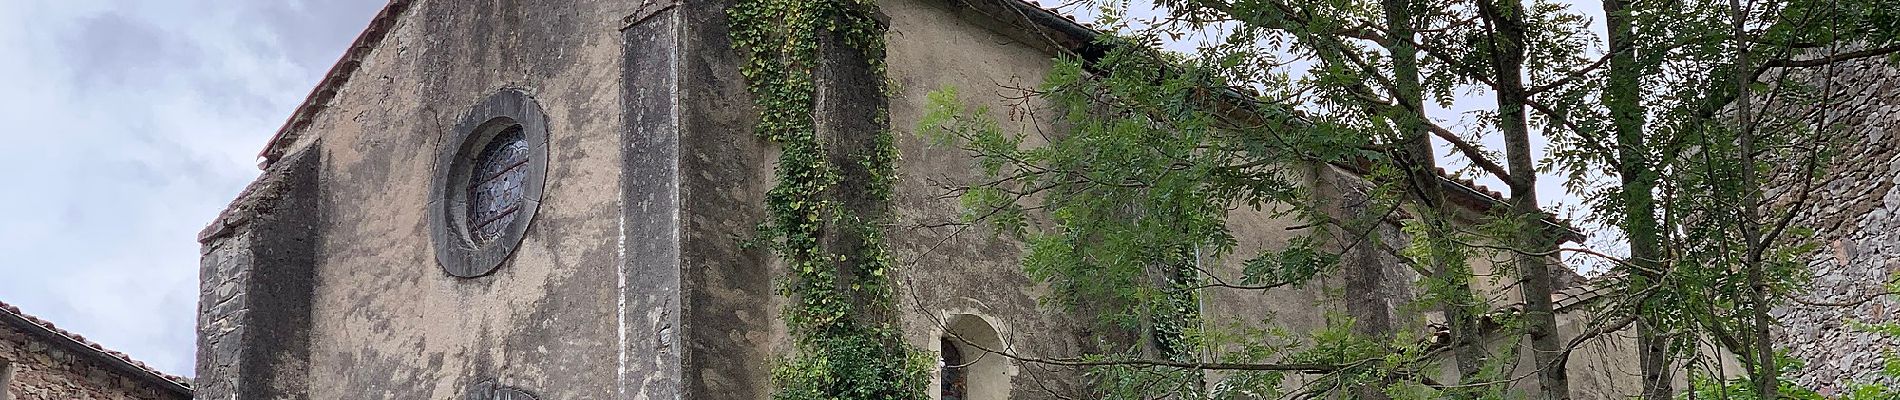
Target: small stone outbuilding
39,361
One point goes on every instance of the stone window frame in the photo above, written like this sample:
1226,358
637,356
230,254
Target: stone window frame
455,250
490,390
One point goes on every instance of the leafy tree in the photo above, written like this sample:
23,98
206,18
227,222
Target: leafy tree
1692,108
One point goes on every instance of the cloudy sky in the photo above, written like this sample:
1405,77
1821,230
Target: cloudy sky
127,126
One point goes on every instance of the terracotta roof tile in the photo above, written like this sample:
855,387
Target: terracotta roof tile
77,342
333,80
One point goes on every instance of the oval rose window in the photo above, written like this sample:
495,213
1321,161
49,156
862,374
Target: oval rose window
488,184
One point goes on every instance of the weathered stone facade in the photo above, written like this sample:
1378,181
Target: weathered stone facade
41,362
633,280
254,316
1857,221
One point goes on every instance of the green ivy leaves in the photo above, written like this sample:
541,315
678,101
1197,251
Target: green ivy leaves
837,354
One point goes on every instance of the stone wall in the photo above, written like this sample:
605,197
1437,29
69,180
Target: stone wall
256,271
220,315
321,282
387,320
45,370
1857,218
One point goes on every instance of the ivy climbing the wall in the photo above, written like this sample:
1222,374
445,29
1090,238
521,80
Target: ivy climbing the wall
845,343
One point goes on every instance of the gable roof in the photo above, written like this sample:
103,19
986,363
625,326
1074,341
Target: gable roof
45,330
333,81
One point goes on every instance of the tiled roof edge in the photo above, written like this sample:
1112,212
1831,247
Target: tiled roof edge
333,81
12,315
1585,292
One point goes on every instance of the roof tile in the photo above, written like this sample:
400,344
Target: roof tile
80,342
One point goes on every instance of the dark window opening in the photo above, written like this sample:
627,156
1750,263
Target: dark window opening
969,371
495,186
954,376
1183,311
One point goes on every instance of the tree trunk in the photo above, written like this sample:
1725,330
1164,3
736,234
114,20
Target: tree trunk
1415,156
1506,20
1622,96
1767,374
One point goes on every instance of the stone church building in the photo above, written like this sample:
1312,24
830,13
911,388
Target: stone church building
549,199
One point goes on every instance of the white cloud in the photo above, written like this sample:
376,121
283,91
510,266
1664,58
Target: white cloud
128,126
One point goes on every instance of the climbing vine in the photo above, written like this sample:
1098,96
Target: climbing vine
845,345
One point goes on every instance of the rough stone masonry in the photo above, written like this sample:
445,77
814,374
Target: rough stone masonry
39,361
1857,222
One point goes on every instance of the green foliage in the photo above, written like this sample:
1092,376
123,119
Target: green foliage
1158,149
841,348
1125,208
1703,386
1367,363
1141,177
1890,363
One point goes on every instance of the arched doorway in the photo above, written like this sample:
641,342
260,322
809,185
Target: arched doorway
968,367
